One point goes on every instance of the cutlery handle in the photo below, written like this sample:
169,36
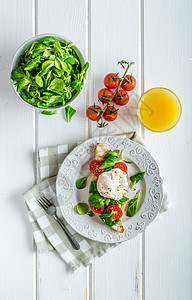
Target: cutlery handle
73,242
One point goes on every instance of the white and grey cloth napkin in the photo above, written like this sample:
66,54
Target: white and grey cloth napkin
48,234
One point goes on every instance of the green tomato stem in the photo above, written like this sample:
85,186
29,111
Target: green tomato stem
117,89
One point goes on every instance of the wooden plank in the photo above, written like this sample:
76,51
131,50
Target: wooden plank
16,136
168,49
115,35
67,18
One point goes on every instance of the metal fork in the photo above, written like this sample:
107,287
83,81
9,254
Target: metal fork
51,210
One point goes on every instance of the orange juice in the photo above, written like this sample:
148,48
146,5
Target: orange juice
159,109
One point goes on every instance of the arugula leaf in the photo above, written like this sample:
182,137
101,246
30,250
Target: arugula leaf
136,178
132,206
82,182
107,218
82,208
69,113
96,200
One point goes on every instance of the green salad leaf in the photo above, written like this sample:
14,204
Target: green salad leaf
96,200
82,208
52,112
49,73
113,157
82,182
69,113
132,206
107,218
93,187
136,178
119,202
109,162
90,213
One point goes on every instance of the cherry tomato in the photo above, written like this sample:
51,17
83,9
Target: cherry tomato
111,80
95,165
121,98
97,210
117,212
128,83
121,165
110,113
103,94
93,112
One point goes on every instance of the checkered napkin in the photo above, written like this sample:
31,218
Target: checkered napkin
48,234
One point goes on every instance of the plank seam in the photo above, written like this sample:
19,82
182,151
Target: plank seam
35,149
91,269
142,133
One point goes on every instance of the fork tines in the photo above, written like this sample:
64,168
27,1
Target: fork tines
44,202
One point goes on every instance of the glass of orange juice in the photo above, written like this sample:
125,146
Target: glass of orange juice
159,109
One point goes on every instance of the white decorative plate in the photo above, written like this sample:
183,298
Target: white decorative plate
76,165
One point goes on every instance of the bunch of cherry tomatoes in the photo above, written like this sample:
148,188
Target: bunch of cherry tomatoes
120,97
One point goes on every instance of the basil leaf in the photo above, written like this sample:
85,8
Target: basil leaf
96,200
52,112
107,218
136,178
90,213
109,162
93,187
82,208
108,201
132,206
69,113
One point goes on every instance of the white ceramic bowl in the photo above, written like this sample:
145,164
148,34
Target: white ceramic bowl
21,50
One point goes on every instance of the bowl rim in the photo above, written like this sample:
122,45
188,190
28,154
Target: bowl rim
179,106
21,49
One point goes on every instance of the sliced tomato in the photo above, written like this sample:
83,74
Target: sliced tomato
121,165
117,212
95,165
97,210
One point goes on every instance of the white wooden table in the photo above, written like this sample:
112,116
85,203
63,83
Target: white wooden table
156,265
